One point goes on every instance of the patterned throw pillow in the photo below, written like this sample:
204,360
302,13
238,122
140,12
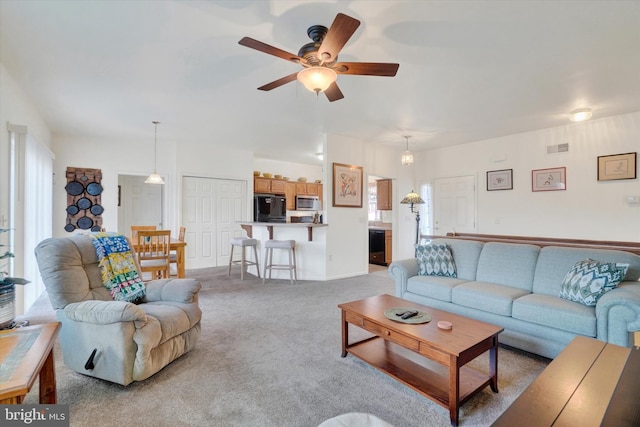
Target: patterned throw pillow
435,260
588,280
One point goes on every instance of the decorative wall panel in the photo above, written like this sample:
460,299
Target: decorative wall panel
84,190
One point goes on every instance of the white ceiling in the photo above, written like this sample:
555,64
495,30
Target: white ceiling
469,70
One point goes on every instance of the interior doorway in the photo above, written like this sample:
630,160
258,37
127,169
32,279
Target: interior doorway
380,222
139,203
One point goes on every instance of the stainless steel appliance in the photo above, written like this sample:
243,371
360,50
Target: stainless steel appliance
307,203
269,208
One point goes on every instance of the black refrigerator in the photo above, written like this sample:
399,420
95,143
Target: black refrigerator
269,208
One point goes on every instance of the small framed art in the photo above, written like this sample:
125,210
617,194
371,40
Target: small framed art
347,186
617,166
552,179
500,180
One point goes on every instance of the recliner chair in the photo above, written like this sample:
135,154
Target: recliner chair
116,341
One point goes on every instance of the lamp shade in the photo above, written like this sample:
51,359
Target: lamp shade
317,79
154,178
407,158
412,198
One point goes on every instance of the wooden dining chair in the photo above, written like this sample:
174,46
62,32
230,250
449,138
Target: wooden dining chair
173,257
152,247
136,228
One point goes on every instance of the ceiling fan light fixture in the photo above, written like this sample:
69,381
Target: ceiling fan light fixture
317,79
580,115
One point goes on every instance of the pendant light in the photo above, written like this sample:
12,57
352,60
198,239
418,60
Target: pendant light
407,156
154,178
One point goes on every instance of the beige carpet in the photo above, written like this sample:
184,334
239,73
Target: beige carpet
269,355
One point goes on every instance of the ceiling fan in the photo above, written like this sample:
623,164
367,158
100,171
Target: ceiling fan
319,59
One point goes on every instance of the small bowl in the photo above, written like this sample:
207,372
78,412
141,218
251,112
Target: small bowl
277,176
318,181
267,175
302,179
286,178
256,173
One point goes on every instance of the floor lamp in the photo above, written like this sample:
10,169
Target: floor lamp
412,199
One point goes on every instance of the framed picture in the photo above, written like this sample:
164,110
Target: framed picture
553,179
500,180
347,186
617,166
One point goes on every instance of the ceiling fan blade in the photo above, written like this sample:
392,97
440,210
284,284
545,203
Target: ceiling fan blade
271,50
333,92
339,33
279,82
367,68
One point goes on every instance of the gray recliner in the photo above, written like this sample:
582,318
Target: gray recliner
131,341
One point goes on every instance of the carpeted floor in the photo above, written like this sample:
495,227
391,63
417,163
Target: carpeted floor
269,355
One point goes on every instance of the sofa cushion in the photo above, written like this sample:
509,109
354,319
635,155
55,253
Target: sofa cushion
555,261
484,296
465,254
557,313
438,287
509,264
435,260
588,280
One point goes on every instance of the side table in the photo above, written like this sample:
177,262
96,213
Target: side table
25,354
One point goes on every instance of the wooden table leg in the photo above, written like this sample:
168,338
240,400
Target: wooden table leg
345,334
454,389
48,393
493,365
180,261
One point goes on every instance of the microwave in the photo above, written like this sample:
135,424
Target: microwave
307,203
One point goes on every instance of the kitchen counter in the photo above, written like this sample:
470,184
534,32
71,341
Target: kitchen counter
248,227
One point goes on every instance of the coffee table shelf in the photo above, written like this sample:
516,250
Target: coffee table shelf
428,378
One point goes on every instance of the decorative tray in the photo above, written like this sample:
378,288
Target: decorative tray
421,317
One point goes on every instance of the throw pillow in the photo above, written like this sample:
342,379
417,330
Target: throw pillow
588,280
435,260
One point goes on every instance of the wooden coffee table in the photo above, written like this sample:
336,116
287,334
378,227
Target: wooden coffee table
439,374
27,354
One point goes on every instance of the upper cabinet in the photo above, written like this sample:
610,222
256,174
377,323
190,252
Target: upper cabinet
269,185
383,195
290,189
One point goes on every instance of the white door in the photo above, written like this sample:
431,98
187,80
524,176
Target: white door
210,210
454,205
140,203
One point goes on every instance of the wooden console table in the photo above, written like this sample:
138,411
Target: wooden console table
26,354
590,383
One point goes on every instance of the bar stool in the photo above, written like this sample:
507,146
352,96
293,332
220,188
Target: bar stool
270,245
244,242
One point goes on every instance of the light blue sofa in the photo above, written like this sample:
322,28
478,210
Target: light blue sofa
517,286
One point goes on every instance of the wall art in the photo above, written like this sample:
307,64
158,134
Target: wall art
500,180
617,166
347,186
552,179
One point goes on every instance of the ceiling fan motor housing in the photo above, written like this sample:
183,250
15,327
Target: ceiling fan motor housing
310,50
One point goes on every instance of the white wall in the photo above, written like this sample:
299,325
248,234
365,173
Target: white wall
587,209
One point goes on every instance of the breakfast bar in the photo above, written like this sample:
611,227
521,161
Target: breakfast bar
248,227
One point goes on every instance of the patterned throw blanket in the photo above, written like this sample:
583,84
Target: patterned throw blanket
119,271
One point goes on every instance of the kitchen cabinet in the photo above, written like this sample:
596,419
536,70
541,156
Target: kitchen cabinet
290,194
383,195
269,185
387,247
308,189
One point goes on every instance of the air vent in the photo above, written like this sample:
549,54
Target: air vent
559,148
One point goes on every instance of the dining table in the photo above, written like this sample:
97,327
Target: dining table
177,246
